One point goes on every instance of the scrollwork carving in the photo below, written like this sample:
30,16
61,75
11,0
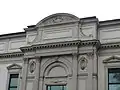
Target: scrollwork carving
83,32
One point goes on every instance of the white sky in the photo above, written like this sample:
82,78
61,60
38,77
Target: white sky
18,14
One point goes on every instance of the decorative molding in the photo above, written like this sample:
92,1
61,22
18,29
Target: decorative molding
53,62
34,37
58,81
11,55
82,33
57,19
112,59
14,66
56,64
110,45
83,74
32,66
60,45
83,63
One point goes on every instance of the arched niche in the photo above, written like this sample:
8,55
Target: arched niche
56,69
54,64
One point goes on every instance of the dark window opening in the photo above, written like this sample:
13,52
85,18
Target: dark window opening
56,87
114,79
13,82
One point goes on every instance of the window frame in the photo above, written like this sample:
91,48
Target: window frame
106,67
108,76
14,69
55,85
110,62
10,81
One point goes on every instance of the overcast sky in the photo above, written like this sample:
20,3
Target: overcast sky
18,14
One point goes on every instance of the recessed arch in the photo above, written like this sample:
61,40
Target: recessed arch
56,69
56,62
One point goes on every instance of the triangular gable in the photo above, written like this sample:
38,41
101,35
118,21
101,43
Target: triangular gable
112,59
14,66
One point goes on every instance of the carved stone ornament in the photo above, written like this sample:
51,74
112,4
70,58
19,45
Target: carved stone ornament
32,66
83,63
83,34
58,19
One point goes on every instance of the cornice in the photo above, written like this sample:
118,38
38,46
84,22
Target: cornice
31,28
12,35
59,45
11,55
110,45
109,22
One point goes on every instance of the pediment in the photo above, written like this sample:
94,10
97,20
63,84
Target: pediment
57,18
14,66
112,59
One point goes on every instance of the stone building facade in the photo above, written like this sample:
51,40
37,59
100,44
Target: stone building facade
62,52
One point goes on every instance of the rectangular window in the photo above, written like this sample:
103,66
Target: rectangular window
114,79
56,87
13,82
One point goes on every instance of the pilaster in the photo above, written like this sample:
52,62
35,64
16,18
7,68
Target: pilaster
75,72
37,74
90,72
24,74
95,69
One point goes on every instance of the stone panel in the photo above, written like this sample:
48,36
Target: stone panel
110,35
2,47
29,85
14,45
58,33
57,71
82,84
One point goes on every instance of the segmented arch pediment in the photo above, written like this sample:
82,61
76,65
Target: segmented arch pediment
57,18
112,59
14,66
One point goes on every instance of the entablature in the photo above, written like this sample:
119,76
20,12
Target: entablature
60,48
